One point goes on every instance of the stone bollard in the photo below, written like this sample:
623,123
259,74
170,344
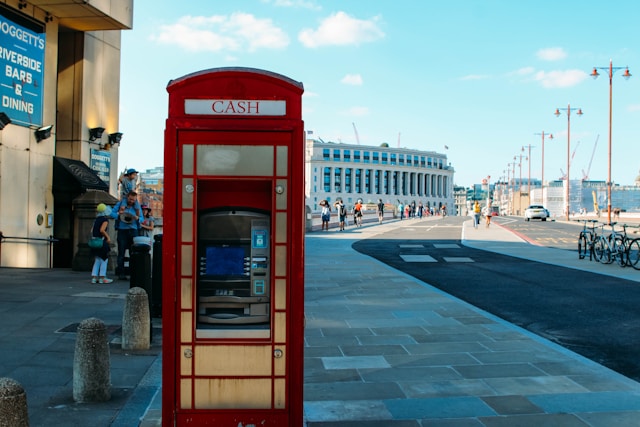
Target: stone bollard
136,321
91,363
13,404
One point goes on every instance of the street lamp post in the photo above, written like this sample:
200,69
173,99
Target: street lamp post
529,166
610,69
550,137
557,113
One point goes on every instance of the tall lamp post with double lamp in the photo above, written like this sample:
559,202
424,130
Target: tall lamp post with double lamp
610,70
529,166
557,113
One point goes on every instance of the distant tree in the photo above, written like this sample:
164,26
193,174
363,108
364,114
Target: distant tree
385,145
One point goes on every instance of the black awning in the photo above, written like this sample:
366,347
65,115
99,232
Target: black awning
74,176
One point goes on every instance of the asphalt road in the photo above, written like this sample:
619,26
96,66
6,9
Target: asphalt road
594,315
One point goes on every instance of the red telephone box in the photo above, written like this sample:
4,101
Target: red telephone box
233,250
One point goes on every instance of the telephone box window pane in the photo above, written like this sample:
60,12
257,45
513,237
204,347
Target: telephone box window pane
281,227
249,160
187,227
187,193
187,159
282,160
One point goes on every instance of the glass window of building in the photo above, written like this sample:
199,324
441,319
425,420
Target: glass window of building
325,154
393,159
336,155
429,162
401,159
347,180
356,156
337,180
376,157
385,158
422,161
358,181
386,182
367,157
346,155
327,180
367,181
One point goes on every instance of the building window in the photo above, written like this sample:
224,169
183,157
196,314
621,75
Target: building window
393,159
401,159
336,155
385,182
358,181
385,159
327,180
367,181
429,162
347,180
346,155
337,180
325,154
376,157
422,161
366,157
356,156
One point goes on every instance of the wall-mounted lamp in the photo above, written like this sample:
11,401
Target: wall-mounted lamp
4,120
48,17
115,138
95,133
43,133
22,4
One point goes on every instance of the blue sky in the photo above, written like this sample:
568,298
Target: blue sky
482,78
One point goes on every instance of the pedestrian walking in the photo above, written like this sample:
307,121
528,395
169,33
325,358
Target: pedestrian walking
101,254
476,214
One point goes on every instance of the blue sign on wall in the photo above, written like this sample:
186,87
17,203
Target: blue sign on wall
21,72
100,163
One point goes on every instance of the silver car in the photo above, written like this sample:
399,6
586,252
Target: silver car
536,212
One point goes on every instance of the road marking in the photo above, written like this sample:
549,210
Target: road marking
417,258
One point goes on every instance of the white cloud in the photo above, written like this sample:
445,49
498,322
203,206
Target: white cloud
565,78
551,54
357,112
341,29
524,71
352,79
294,3
237,32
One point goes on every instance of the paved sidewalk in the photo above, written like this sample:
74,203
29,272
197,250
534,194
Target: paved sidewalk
382,349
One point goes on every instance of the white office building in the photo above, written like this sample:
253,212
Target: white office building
351,172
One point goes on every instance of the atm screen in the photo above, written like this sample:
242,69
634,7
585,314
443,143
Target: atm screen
225,261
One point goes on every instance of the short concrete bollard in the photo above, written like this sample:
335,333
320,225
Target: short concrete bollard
136,321
91,363
13,404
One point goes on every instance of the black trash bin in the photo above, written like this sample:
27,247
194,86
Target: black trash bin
156,277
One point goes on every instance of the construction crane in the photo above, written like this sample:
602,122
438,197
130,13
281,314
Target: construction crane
356,132
564,175
585,175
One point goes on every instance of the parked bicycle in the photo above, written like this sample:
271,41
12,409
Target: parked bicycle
608,249
633,252
587,238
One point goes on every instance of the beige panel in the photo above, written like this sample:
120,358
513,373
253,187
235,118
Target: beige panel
233,393
280,363
280,321
186,363
186,326
281,199
186,260
281,294
187,159
279,393
281,227
187,226
282,160
185,394
281,260
187,193
233,360
186,294
250,160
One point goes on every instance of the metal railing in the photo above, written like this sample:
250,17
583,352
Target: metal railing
50,241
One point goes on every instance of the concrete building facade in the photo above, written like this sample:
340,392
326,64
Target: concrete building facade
353,172
59,111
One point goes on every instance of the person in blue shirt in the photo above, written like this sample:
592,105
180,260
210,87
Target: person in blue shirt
129,217
128,182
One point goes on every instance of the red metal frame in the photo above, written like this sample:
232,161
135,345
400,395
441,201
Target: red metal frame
234,84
